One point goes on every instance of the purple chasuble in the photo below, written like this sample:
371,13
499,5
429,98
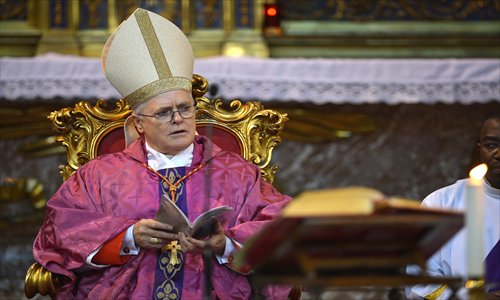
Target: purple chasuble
110,193
493,268
168,276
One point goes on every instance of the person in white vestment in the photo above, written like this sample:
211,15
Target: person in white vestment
450,260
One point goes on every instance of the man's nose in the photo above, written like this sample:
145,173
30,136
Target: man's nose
176,117
496,153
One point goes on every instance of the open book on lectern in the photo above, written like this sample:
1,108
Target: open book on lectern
355,230
200,228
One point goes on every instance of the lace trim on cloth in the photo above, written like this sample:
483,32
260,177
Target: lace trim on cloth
390,93
320,81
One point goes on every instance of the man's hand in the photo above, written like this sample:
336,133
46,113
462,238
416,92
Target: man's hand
149,233
216,242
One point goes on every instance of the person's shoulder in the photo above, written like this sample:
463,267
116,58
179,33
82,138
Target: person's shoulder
232,160
447,197
458,185
110,157
104,161
229,154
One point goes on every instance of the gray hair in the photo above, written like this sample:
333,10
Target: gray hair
139,109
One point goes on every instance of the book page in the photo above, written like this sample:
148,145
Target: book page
170,213
204,223
329,202
202,227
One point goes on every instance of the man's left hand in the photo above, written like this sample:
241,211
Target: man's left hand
216,242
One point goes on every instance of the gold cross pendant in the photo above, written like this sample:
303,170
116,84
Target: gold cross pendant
173,247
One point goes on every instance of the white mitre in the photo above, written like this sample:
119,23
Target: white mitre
147,55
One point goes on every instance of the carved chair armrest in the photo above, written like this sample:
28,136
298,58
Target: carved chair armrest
42,281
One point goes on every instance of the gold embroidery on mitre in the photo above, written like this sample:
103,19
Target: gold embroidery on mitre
157,87
153,44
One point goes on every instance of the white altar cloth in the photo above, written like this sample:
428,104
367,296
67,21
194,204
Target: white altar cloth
356,81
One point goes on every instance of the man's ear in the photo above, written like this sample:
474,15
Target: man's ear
138,125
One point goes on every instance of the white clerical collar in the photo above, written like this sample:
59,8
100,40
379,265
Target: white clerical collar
158,161
495,193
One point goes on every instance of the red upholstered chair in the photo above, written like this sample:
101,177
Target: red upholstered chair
88,131
114,141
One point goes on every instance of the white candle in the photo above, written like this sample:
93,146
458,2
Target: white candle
474,222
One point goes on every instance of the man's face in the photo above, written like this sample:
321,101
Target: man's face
489,149
167,137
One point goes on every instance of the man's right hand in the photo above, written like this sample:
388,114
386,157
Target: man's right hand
149,233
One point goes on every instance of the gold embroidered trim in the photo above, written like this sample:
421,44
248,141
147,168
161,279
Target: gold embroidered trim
437,292
171,258
157,87
153,44
167,289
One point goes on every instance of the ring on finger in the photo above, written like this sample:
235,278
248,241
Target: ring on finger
154,241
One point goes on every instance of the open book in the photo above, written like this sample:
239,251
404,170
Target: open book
201,228
349,201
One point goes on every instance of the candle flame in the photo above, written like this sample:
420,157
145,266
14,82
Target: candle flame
478,172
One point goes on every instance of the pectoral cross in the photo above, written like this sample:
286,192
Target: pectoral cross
173,247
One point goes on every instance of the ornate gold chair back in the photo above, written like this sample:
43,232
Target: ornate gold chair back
88,131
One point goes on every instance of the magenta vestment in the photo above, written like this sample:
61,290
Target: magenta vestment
110,193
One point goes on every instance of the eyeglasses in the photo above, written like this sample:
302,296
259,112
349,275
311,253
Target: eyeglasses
166,116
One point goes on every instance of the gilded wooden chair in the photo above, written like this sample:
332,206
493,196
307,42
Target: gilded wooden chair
88,131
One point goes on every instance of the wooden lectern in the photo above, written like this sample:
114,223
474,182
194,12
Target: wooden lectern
349,237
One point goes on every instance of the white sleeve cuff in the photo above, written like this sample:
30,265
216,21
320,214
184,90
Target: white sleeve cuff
224,259
227,250
128,244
